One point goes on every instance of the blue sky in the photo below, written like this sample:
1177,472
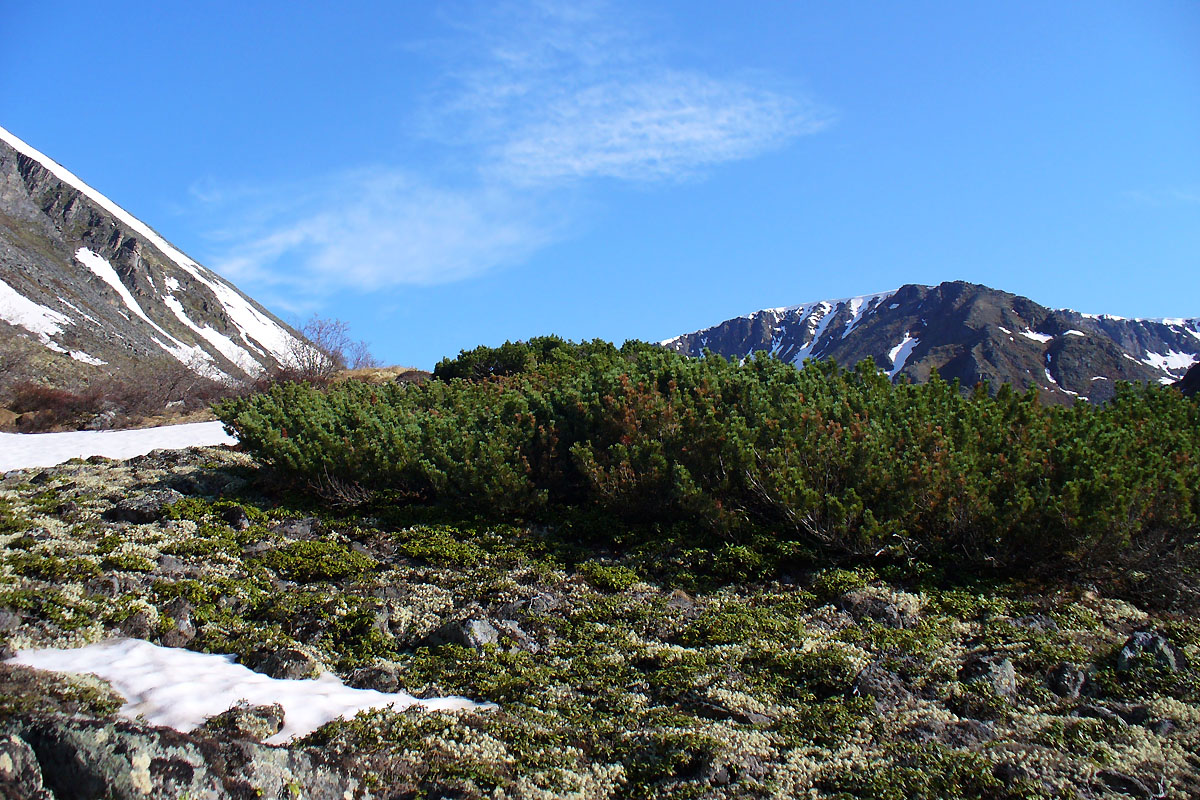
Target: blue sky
442,175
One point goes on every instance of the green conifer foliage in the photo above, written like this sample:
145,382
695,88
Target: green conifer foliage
761,454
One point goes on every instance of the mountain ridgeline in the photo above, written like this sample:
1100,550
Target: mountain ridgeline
87,289
969,333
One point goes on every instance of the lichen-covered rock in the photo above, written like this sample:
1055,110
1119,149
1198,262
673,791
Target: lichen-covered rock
84,758
1066,680
473,633
1149,647
995,672
144,507
20,773
245,721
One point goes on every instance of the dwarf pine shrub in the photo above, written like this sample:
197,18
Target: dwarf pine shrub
766,460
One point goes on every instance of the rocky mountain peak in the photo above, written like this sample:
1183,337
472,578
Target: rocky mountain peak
967,332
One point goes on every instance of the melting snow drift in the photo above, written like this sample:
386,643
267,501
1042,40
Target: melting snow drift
25,450
180,689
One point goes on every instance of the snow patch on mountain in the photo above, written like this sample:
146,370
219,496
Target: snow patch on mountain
900,353
17,309
224,345
1171,361
259,331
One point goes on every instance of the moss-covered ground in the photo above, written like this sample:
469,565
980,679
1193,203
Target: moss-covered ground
655,672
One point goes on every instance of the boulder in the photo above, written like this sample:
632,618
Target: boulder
244,721
473,633
1066,680
20,773
995,671
144,507
85,757
1150,646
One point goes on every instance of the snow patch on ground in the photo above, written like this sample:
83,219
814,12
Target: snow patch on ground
28,450
180,689
1037,337
1074,332
900,353
17,309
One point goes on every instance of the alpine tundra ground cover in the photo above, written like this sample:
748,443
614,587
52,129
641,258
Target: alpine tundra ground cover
617,674
673,578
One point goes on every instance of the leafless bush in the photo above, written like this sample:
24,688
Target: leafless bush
326,349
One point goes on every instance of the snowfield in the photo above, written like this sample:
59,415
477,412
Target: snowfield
180,689
27,450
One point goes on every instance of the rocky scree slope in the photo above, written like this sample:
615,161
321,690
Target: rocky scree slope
967,332
85,287
616,675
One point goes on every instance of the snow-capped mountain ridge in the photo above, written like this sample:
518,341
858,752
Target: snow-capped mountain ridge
965,331
87,280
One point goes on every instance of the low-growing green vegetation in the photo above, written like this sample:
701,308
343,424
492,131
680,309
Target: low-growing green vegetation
675,579
759,468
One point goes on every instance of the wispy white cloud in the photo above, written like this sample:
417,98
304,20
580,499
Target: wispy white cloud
560,92
1175,196
536,98
374,228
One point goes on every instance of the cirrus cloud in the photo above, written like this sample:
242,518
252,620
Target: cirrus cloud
537,98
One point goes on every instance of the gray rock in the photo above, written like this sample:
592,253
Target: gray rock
473,633
885,687
20,773
84,758
184,629
1066,680
1125,784
998,672
1144,646
144,507
864,605
288,663
236,517
244,721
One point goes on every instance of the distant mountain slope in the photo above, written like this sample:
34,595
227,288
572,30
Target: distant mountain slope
965,331
84,286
